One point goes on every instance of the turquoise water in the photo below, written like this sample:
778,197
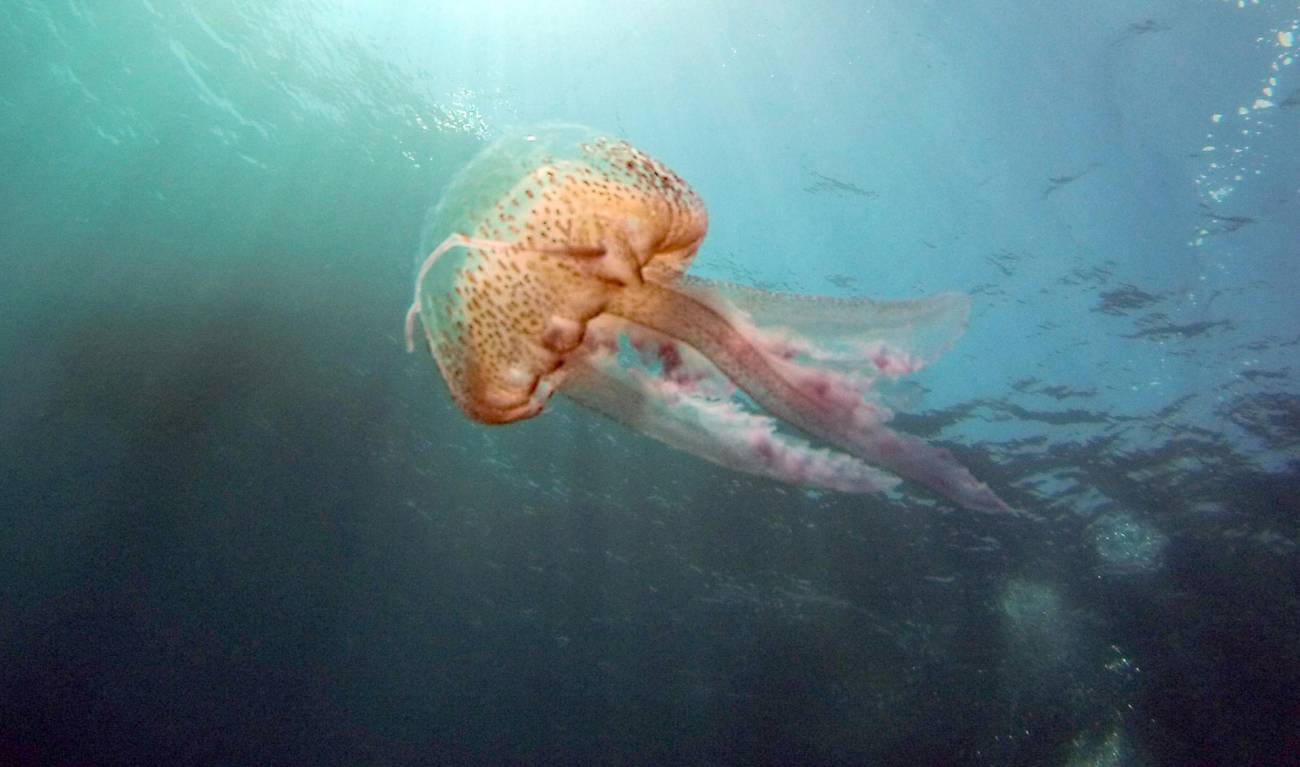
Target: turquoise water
242,526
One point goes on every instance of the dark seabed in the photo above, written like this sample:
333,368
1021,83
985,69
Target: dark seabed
240,525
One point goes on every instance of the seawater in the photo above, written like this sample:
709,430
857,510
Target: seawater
242,526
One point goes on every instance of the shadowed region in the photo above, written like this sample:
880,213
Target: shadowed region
1272,416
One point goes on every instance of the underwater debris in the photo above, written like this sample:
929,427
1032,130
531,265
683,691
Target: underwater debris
1146,27
1004,260
1058,392
1169,330
842,281
1255,376
1099,274
1139,28
827,185
1059,181
1223,224
1125,299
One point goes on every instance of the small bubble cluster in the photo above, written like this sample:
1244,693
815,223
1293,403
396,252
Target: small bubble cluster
1126,544
1229,159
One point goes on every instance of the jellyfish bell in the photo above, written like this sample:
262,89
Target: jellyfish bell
541,231
555,245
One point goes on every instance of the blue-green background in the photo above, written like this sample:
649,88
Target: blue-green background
238,525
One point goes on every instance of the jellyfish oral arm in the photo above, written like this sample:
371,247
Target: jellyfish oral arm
808,399
714,429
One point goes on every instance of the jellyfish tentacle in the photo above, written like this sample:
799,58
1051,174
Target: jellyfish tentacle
801,397
412,313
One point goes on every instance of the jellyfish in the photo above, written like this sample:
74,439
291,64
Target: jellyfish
561,268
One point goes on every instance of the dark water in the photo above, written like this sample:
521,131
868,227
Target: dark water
241,526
